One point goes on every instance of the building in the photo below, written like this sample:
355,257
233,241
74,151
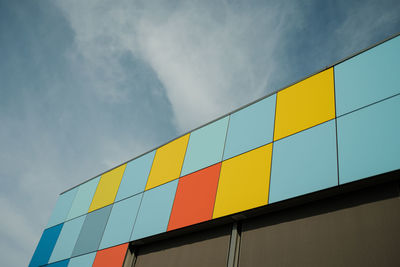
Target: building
307,176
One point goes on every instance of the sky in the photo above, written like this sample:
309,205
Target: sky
87,85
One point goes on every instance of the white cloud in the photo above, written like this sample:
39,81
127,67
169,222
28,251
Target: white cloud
209,59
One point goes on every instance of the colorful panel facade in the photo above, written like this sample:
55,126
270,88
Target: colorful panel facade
167,162
107,188
368,77
305,104
250,127
46,245
368,141
92,231
205,146
244,182
121,221
335,127
155,210
82,261
304,162
83,198
195,196
135,176
114,256
67,239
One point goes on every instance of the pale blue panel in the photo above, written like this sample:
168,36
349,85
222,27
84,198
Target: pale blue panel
120,223
63,263
46,245
135,176
368,77
154,211
250,127
62,207
67,239
205,146
83,198
82,261
304,162
369,141
92,231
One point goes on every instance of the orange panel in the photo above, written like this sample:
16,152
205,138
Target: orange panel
111,257
195,197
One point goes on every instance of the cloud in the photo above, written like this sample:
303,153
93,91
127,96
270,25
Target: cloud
209,60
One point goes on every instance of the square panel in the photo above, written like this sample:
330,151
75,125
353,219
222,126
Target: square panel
83,198
107,188
305,104
114,256
205,146
244,182
46,245
155,211
369,141
368,77
167,162
63,205
120,223
304,163
92,231
135,176
82,261
195,197
250,127
67,239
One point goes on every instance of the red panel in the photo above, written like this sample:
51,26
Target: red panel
111,257
195,197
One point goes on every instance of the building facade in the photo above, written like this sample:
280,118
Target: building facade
307,176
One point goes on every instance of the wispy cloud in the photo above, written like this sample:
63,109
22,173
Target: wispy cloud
209,59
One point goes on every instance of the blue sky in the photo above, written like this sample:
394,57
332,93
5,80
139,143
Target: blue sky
86,85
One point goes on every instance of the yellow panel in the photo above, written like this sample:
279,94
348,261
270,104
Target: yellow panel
244,182
107,188
305,104
167,162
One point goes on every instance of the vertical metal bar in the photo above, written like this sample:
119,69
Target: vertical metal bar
130,258
233,253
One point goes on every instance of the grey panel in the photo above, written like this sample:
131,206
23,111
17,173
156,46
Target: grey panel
206,248
356,229
92,231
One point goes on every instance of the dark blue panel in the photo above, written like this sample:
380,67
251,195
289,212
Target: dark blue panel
45,246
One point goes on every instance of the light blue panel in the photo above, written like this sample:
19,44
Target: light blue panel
155,210
92,231
82,261
369,141
120,223
304,162
205,146
62,207
135,176
83,198
59,264
250,127
67,239
46,245
368,77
